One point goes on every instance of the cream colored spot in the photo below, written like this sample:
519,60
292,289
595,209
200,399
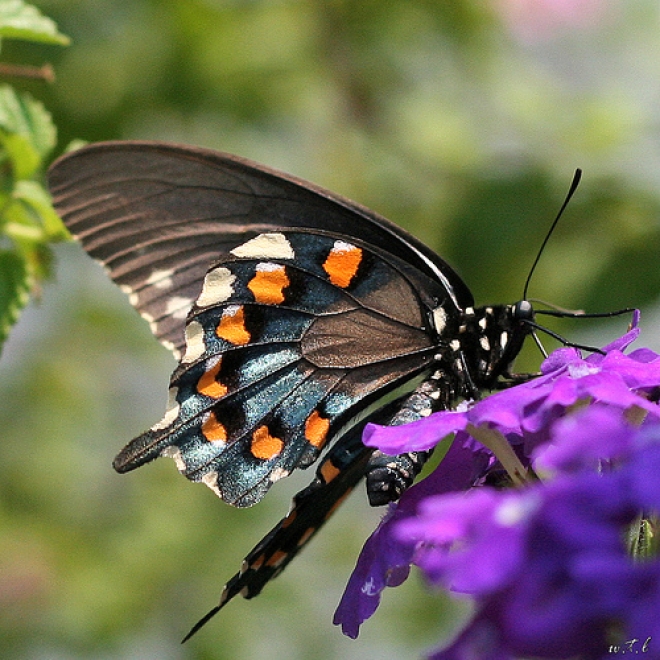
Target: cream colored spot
161,279
178,307
211,480
439,319
194,342
265,246
174,453
278,473
172,413
218,287
132,296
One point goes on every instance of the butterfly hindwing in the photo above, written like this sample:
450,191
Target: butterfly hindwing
293,333
157,215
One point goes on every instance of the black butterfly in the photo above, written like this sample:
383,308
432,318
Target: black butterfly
293,312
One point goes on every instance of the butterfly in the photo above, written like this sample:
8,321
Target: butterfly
296,317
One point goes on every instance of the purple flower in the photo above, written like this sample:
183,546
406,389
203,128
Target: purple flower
546,564
523,414
384,560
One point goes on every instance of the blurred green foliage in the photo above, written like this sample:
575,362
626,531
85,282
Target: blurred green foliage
27,136
462,121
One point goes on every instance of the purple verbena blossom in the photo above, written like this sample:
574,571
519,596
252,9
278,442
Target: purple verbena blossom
547,564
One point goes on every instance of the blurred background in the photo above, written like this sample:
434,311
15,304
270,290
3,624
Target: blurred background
462,121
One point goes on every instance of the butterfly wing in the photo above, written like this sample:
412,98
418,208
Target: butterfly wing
339,472
294,334
156,215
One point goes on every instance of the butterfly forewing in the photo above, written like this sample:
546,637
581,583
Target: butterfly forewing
157,215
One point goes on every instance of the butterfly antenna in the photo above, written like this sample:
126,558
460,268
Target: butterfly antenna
574,184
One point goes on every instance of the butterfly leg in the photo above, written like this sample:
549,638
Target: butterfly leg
388,477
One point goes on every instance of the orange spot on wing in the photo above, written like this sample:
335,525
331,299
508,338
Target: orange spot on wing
338,503
342,263
316,429
209,386
213,430
232,326
309,532
289,519
264,445
277,558
268,284
329,471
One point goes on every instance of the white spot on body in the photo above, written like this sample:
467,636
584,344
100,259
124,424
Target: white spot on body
455,345
439,319
195,346
485,344
172,413
483,322
161,279
218,287
265,246
504,339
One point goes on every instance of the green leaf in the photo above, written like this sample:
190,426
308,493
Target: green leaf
37,198
22,21
29,133
14,290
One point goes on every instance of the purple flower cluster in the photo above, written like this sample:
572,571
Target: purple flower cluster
548,564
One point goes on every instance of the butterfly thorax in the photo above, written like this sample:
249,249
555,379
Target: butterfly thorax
485,342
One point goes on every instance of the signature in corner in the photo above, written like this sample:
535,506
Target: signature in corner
631,646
